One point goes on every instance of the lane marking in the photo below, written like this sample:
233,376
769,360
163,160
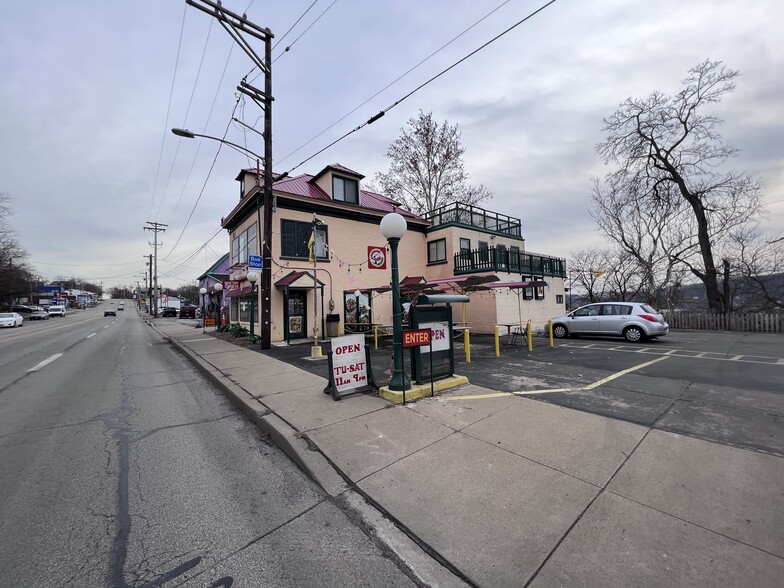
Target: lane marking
686,354
45,362
90,335
735,357
596,384
107,326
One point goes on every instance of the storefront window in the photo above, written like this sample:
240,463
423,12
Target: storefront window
357,315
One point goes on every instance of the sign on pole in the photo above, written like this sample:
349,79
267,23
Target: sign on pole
254,262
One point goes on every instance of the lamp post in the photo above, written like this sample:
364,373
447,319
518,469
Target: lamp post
252,278
203,291
265,242
217,288
393,227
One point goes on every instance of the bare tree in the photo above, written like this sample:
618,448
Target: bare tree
589,268
758,267
426,169
668,149
15,271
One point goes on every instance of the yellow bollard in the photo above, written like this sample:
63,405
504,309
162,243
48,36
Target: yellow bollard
375,338
497,343
467,345
528,330
550,327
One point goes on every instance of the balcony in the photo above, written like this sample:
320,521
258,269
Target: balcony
501,259
473,216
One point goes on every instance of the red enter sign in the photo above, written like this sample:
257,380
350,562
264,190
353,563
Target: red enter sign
416,337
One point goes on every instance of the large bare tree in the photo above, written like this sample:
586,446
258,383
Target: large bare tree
15,272
667,148
426,170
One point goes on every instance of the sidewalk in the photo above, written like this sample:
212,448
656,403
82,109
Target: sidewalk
509,491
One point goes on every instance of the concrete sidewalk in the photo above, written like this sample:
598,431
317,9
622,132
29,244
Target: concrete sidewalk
512,491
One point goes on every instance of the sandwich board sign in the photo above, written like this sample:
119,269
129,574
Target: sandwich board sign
349,367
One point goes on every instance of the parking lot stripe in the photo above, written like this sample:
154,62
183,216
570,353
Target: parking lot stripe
90,335
622,373
736,357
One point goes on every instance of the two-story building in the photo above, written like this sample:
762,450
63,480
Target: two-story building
456,248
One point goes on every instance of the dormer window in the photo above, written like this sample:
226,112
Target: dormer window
345,190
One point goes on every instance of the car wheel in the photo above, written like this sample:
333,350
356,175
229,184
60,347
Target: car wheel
634,334
560,331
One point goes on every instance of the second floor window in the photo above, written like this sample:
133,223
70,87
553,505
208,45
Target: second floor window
294,237
243,244
345,190
436,251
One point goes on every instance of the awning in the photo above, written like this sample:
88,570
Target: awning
237,292
297,280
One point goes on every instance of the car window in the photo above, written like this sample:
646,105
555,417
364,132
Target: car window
616,309
650,309
588,310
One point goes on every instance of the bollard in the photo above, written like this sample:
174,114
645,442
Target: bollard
467,345
550,327
375,338
528,333
497,343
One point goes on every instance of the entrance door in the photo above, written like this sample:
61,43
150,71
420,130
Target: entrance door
297,309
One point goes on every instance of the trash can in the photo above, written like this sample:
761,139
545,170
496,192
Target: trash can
333,323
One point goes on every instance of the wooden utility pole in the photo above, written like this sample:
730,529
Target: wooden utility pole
156,228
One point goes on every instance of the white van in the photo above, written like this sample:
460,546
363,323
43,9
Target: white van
56,310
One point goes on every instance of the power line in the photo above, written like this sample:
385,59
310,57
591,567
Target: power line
295,24
375,117
168,110
185,118
396,80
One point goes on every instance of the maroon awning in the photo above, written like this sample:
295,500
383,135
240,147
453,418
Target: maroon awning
237,292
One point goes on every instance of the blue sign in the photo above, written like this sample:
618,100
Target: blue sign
254,262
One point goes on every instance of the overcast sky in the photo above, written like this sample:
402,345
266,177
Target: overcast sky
89,89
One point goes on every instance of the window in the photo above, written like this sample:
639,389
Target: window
592,310
465,246
616,309
436,251
345,190
484,251
243,245
357,316
559,298
514,259
294,238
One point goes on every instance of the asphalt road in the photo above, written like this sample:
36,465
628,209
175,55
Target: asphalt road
121,466
724,387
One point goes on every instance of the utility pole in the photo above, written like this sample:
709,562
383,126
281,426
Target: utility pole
236,25
156,228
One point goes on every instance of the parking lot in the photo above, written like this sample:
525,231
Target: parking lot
720,386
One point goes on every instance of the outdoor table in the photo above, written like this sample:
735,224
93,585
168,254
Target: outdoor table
509,327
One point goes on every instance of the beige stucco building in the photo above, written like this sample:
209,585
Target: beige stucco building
453,249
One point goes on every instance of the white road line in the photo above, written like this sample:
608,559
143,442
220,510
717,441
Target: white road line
45,362
90,335
736,358
107,326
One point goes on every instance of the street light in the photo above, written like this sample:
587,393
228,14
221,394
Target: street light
203,291
266,236
217,288
393,227
252,278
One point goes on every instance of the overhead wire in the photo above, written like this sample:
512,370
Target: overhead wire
185,118
168,110
381,113
396,80
204,130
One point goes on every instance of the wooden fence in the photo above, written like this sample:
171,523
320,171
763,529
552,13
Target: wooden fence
751,322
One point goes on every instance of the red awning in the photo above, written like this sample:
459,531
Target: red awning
236,292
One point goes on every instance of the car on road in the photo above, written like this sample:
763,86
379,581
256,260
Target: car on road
57,310
120,307
22,309
11,319
168,311
633,321
188,311
109,312
38,314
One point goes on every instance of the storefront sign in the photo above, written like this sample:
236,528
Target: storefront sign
377,257
441,338
349,366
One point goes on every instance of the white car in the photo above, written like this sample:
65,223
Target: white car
56,310
11,319
633,321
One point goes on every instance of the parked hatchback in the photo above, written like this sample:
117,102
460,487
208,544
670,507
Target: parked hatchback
38,314
631,320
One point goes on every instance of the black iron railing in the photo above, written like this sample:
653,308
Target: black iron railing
473,216
504,260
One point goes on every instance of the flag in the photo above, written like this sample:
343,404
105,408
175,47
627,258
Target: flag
312,247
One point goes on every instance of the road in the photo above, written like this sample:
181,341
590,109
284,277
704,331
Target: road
121,466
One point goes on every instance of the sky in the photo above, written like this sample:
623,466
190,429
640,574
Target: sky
90,89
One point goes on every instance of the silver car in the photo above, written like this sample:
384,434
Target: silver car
631,320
